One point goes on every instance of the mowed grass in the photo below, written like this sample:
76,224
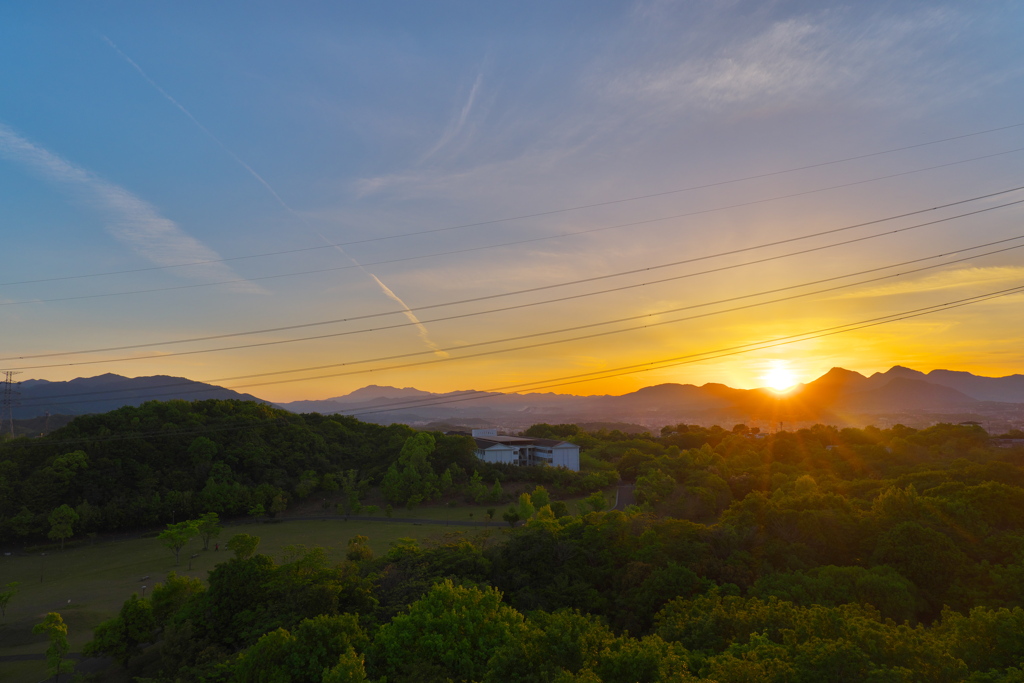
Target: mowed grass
463,512
88,584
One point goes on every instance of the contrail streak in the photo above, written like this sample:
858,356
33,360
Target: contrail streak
201,127
420,327
267,186
412,318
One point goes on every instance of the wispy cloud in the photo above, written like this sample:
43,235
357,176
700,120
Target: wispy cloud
130,219
418,173
277,197
459,122
954,279
799,58
782,61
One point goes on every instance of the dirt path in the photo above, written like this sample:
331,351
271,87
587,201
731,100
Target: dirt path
624,497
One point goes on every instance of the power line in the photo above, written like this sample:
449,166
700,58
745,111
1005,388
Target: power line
547,287
556,211
610,372
711,355
649,315
551,343
587,326
579,327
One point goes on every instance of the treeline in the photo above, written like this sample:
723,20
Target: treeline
606,596
137,467
907,520
820,555
823,554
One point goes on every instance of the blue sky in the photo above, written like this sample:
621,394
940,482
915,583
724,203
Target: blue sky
136,136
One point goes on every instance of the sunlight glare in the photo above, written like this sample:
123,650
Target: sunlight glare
779,377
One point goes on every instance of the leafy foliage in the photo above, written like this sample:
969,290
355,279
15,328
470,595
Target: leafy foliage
57,631
816,555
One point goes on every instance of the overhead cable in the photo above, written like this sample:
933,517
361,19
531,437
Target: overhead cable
582,327
552,286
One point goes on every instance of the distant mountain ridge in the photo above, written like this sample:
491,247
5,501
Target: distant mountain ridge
103,393
841,397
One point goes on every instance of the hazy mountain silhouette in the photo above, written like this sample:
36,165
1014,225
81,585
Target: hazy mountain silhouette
838,397
108,392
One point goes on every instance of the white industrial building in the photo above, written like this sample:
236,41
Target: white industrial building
524,451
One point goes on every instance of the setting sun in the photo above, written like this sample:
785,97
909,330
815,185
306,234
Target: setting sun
779,377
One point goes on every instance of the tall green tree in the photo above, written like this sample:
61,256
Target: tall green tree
475,489
448,634
168,597
256,511
62,522
9,591
418,477
497,494
526,507
278,505
55,628
208,527
654,487
350,493
392,486
359,549
314,646
243,545
597,501
176,536
122,637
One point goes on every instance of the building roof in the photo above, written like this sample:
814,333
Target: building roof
488,442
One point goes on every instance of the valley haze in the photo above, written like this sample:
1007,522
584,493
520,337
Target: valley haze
840,397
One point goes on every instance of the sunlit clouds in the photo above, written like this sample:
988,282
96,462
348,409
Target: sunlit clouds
589,198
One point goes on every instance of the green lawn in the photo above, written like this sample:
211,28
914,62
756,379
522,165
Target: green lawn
462,511
88,584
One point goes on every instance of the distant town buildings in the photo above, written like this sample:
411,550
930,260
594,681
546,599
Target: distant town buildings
525,451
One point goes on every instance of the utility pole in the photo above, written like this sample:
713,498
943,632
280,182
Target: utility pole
8,400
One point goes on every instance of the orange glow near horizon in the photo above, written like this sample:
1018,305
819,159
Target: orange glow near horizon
779,377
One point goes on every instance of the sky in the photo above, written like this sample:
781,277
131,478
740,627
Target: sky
296,200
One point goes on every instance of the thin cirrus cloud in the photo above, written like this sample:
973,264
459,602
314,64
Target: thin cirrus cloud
791,60
459,122
960,278
129,219
418,174
424,335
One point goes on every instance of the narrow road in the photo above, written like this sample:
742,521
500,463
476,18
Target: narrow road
624,497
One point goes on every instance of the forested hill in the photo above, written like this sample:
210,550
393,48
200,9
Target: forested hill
85,395
812,556
139,466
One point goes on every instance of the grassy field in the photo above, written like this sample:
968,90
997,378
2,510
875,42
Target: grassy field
461,511
88,584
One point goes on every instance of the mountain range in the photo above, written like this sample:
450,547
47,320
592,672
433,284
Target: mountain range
840,397
85,395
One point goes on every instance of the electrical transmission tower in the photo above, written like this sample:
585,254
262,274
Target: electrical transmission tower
9,399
